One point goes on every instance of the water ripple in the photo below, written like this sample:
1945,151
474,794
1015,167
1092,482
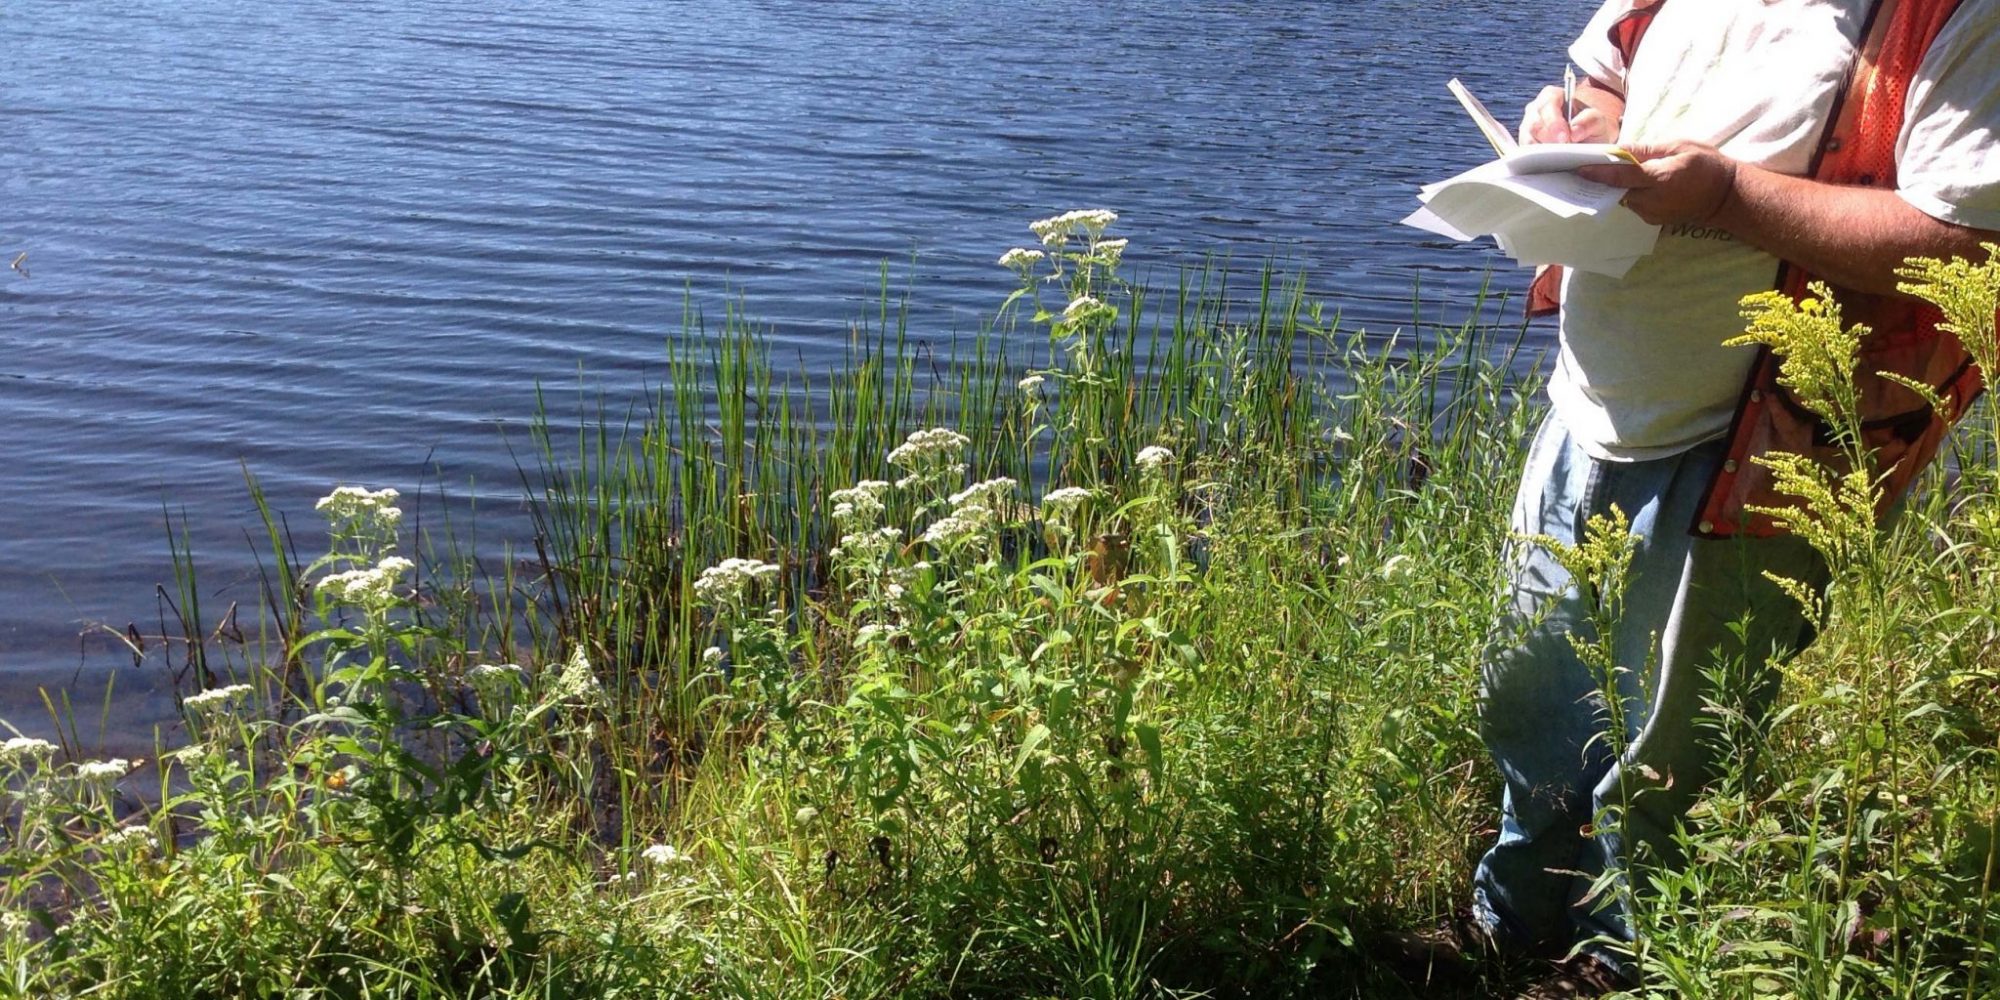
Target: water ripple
345,242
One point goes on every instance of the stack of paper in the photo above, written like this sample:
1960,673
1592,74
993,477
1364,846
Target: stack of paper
1539,212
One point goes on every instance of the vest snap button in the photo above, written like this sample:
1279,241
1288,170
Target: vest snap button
1756,395
1729,465
1707,527
1833,145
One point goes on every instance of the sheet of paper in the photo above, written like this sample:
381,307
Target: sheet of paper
1532,204
1496,134
1556,157
1540,218
1607,244
1427,220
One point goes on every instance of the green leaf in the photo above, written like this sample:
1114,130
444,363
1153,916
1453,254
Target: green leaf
1035,738
1149,740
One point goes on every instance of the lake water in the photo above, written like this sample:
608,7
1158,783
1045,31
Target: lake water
343,242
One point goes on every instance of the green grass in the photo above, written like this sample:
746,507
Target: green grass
1205,735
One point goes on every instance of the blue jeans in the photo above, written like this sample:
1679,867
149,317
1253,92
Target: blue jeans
1700,628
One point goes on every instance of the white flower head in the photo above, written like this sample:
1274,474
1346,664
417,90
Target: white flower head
929,447
1064,503
348,501
989,494
933,457
1110,250
1085,308
1153,460
727,584
103,772
1053,231
664,856
216,704
1030,384
966,524
21,751
862,550
577,680
129,839
1395,567
1093,221
373,588
493,684
1022,260
354,503
861,505
1056,230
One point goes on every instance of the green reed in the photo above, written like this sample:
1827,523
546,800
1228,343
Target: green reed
1199,726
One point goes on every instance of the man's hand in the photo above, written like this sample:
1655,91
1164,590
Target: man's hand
1672,184
1854,237
1544,120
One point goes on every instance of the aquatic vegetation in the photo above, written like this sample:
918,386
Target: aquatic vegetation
1146,667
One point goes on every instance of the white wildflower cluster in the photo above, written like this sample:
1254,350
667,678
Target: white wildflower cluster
1062,504
14,924
664,856
867,548
1056,230
1153,460
859,509
1085,308
1022,260
727,584
931,456
933,445
966,524
1395,567
494,683
974,512
577,681
902,578
351,503
23,751
711,656
216,704
991,494
861,505
129,840
103,772
374,587
1110,251
1030,384
874,634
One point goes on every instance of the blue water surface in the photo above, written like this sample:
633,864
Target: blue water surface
344,242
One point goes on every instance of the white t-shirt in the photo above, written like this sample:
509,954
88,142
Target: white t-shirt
1641,372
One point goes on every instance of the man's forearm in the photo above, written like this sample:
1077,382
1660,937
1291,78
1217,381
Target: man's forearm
1852,236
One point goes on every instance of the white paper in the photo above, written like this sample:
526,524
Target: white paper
1539,212
1556,157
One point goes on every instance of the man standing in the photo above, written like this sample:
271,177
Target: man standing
1776,139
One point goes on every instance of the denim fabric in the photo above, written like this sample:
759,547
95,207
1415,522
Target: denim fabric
1574,806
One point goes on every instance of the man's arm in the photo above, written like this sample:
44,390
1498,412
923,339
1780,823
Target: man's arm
1851,236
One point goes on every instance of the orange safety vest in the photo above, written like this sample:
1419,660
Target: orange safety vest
1898,426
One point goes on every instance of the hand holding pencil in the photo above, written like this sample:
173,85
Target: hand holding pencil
1577,111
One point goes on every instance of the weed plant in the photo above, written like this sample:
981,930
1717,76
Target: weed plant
1143,667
